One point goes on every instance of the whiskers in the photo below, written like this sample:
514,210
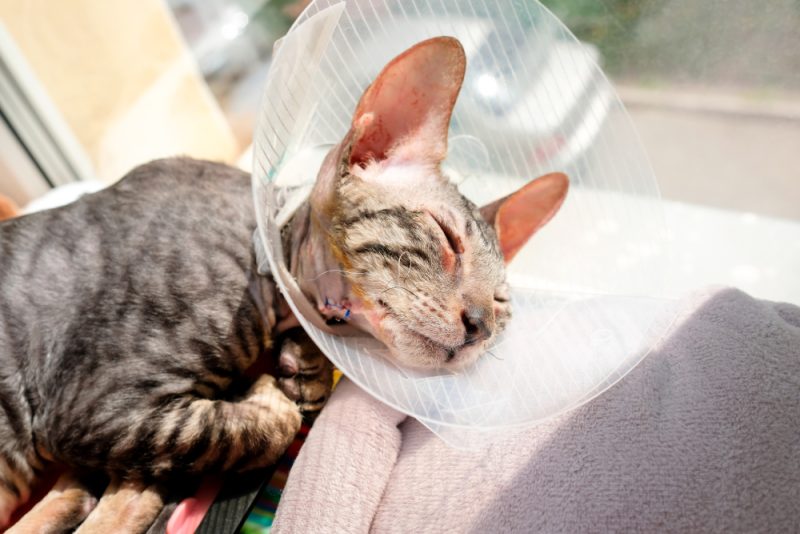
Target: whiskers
340,271
392,284
387,280
493,355
400,265
402,288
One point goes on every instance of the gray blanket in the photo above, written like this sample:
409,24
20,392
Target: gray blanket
702,436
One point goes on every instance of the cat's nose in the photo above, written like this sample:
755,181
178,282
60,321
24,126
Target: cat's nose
475,326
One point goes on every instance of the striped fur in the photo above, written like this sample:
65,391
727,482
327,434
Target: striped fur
127,321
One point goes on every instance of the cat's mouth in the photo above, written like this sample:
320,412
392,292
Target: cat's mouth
454,358
411,347
415,349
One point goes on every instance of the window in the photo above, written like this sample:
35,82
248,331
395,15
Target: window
91,88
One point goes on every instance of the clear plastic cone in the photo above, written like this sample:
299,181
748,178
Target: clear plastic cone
588,291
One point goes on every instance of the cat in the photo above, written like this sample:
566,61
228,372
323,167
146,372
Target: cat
129,319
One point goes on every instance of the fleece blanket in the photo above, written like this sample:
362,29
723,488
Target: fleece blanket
702,436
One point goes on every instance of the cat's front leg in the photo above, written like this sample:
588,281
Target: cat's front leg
61,510
17,475
305,374
125,506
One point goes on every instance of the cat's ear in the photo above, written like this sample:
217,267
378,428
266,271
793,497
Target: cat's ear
406,111
521,214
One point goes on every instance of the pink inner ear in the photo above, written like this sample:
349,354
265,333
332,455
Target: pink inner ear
411,99
521,214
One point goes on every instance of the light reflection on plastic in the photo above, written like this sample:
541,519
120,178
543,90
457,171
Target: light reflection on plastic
487,85
234,22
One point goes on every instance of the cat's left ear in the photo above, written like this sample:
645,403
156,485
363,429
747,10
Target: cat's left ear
406,111
521,214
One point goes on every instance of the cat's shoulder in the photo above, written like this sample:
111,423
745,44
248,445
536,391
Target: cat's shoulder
180,171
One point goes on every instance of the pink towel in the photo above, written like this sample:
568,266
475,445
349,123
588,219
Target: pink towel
703,436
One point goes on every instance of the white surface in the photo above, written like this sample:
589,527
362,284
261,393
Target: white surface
63,194
760,255
708,246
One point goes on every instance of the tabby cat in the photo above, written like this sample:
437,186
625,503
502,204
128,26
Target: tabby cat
128,318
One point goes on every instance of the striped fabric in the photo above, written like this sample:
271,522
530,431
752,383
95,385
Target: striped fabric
263,514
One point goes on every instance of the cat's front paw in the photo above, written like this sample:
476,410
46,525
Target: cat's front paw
304,374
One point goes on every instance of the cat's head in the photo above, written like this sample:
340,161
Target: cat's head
425,266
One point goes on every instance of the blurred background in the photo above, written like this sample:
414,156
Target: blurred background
90,88
714,90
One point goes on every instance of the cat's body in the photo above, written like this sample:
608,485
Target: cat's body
121,310
127,317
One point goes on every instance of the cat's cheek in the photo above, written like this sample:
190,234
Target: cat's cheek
409,351
387,330
376,320
371,320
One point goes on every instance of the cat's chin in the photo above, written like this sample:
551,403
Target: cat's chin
416,351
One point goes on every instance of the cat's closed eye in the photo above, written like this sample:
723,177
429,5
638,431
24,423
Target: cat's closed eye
501,294
453,239
452,244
